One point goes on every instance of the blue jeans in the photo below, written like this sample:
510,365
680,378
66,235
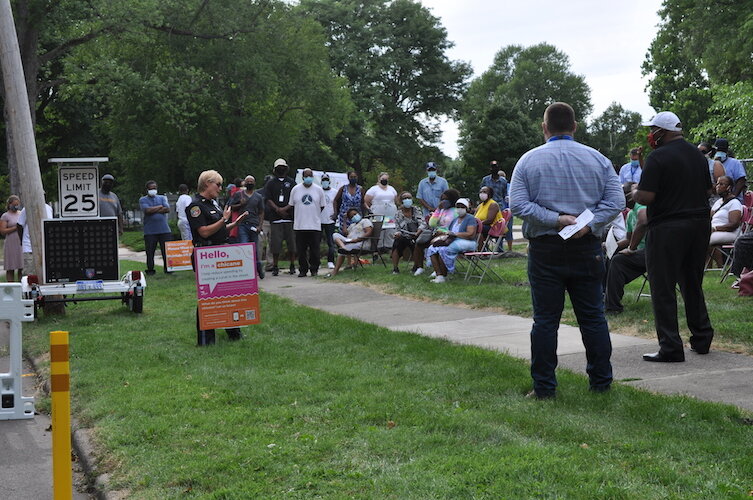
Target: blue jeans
246,235
576,266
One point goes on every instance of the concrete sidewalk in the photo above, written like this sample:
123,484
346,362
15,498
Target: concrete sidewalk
718,376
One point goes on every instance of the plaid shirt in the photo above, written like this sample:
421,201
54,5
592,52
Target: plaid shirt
564,177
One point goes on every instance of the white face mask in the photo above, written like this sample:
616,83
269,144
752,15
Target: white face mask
461,212
483,196
152,192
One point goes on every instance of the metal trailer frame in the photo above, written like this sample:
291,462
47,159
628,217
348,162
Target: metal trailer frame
14,309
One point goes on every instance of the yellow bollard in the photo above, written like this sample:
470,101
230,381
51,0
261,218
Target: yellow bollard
60,370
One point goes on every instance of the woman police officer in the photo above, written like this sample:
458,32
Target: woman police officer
210,226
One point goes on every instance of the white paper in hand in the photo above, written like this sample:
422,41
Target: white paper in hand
611,243
580,222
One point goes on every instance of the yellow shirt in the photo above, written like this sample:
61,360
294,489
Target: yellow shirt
482,211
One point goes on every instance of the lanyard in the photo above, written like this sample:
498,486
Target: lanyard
561,138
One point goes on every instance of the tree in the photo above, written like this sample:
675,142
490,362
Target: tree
393,55
731,117
534,77
504,107
502,132
613,132
174,106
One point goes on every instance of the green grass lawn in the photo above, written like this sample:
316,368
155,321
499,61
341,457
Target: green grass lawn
311,405
730,314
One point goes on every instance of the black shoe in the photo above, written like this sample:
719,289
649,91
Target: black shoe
658,357
600,388
261,273
699,350
275,271
314,273
234,334
301,275
292,269
150,272
168,272
541,396
395,270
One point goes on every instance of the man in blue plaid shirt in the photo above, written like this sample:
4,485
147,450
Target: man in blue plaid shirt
551,185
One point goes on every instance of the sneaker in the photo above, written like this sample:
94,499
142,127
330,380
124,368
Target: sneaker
736,284
330,265
275,271
419,271
439,279
433,274
292,269
395,271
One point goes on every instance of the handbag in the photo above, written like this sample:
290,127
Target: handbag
424,237
745,284
442,240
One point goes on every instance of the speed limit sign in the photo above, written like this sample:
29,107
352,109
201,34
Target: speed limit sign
79,191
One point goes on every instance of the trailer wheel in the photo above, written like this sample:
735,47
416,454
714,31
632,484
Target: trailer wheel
136,303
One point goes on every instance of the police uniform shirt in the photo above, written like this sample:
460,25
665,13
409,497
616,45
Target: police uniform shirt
205,212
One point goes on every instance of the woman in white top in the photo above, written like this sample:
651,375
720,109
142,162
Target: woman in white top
726,214
381,199
180,208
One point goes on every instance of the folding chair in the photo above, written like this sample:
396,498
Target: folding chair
728,250
370,244
748,199
480,262
643,286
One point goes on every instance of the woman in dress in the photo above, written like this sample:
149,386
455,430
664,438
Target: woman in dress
410,223
12,255
462,236
438,223
347,197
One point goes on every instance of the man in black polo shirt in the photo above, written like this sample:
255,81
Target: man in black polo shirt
675,186
280,214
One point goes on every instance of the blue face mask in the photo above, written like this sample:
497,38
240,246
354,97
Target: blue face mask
356,219
308,180
408,202
634,163
432,174
325,184
720,155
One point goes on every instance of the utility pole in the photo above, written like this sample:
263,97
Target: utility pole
20,124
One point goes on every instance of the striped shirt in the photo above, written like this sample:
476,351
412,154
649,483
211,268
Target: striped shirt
564,177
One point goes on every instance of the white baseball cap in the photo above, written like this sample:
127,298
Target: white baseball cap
463,201
666,120
280,161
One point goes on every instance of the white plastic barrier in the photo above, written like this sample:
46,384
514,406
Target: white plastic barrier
14,309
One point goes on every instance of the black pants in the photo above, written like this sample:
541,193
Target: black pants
329,230
307,243
623,268
743,256
150,242
675,255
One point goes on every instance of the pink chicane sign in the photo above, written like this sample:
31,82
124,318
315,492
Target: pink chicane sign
226,286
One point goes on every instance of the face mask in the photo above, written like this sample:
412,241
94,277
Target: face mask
355,219
325,184
408,202
720,155
352,181
308,180
105,188
461,212
250,187
444,204
653,140
384,182
280,172
432,174
483,196
152,192
14,208
634,163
